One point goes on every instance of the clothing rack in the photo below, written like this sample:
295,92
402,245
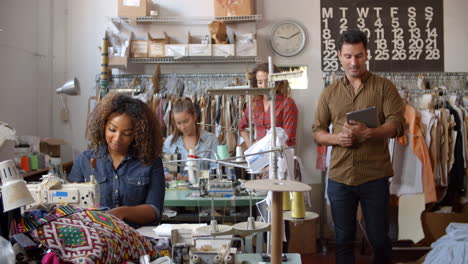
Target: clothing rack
409,80
438,91
181,75
194,85
180,84
434,74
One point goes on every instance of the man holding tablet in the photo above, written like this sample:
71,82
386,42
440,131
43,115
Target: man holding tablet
360,161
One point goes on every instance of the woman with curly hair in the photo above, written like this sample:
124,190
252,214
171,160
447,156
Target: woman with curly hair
126,142
286,112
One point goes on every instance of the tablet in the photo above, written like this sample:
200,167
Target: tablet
367,116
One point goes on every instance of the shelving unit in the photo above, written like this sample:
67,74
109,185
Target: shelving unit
186,60
200,20
122,62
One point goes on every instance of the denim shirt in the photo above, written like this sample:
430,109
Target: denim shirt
131,184
208,141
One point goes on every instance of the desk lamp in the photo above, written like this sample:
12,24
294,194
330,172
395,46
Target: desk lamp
14,194
14,191
70,87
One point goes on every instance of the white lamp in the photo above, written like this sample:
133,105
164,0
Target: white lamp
70,87
14,191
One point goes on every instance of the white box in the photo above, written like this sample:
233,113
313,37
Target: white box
199,49
224,50
246,45
176,50
199,44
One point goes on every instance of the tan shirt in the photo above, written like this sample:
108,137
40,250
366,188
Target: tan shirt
368,160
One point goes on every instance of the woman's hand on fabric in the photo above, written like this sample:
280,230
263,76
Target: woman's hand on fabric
119,212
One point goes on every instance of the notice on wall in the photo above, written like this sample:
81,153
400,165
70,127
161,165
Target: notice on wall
402,35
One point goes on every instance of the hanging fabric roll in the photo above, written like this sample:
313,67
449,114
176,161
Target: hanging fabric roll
104,66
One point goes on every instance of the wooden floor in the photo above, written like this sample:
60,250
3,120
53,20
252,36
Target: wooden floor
329,258
404,256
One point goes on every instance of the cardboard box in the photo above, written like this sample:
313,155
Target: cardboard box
234,7
51,146
156,46
133,8
138,48
118,62
301,232
434,224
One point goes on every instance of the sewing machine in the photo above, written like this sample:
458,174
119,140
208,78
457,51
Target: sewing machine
83,195
213,256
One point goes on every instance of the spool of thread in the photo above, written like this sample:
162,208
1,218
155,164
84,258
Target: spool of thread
223,152
191,167
239,153
34,162
286,201
24,164
40,161
298,206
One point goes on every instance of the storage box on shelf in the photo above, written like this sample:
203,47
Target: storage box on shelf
199,45
192,50
234,7
139,49
156,46
224,50
176,50
245,44
119,51
133,8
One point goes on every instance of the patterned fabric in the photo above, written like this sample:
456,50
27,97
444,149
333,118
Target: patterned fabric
87,236
286,117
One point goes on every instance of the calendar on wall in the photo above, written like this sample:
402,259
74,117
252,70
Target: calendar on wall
402,35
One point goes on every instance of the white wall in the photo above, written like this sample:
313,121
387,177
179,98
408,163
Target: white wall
30,71
25,93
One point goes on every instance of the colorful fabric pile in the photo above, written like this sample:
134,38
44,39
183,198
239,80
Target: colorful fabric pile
86,236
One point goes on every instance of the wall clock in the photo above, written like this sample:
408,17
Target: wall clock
288,38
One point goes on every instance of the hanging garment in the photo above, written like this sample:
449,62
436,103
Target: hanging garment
456,181
444,150
434,149
419,149
407,168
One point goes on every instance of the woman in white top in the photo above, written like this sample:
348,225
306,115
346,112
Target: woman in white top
188,135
